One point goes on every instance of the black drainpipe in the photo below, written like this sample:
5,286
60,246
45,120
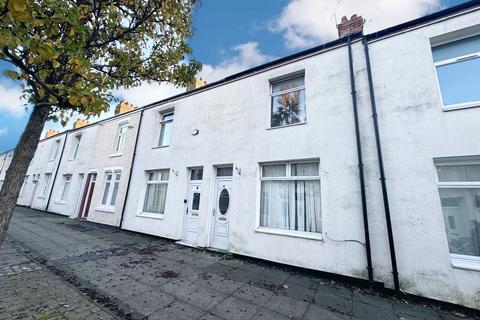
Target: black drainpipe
56,171
381,168
360,164
131,168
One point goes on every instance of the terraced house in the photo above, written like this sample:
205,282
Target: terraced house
5,160
358,157
38,183
69,186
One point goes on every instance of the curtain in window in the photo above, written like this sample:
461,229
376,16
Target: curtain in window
458,173
293,205
114,193
155,198
105,192
305,169
461,212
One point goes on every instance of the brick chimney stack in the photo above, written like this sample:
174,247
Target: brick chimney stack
79,123
199,82
123,107
348,27
50,133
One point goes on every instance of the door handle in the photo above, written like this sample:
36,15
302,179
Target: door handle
213,211
186,211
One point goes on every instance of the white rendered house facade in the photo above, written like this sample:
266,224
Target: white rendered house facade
68,189
5,160
109,168
38,182
282,162
225,167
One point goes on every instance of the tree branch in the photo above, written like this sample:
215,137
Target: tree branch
21,65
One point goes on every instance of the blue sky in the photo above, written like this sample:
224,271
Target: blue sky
231,36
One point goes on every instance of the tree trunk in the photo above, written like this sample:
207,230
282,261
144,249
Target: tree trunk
23,154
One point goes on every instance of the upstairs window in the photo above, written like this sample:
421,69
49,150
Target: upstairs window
75,146
288,101
459,188
290,196
166,123
121,137
156,192
54,150
458,71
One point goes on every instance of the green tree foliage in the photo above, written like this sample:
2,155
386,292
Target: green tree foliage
71,54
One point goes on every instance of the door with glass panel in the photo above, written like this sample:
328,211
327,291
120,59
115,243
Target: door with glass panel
78,193
34,188
87,195
192,210
221,210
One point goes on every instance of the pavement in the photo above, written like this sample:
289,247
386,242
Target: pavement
29,291
70,269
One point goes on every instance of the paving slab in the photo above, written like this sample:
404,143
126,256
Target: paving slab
33,292
137,276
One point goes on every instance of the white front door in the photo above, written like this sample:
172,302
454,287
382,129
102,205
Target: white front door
78,193
34,190
192,210
221,213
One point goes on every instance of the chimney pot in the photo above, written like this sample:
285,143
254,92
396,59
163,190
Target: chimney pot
80,123
50,133
197,83
348,27
123,107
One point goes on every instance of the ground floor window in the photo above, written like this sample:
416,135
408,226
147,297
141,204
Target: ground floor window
46,183
110,190
67,179
156,192
459,189
290,196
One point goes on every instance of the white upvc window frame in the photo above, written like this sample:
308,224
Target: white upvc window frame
162,124
459,260
120,138
24,186
288,177
46,183
275,81
107,206
75,146
157,215
54,150
463,105
67,180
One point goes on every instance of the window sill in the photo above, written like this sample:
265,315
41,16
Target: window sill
161,147
465,262
287,125
461,106
149,215
107,209
116,155
291,233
